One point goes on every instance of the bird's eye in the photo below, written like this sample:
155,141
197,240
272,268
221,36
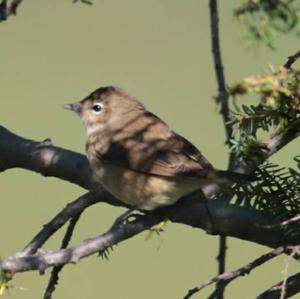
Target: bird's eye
96,108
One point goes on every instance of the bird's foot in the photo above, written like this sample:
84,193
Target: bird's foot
127,217
104,254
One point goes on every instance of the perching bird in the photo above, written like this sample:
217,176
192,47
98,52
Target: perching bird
136,156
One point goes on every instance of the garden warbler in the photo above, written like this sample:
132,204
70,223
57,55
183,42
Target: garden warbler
136,156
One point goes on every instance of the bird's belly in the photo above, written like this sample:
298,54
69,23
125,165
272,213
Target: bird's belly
143,191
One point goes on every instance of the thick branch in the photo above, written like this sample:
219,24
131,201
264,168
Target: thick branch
229,219
44,158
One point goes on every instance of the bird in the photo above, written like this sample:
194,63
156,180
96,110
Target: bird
137,157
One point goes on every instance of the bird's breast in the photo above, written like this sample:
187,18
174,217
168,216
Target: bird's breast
143,191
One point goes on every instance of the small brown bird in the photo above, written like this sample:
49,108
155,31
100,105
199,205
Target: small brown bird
136,156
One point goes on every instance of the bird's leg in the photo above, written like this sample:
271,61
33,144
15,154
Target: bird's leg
123,218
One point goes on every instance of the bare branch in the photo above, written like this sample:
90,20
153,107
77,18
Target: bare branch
291,60
13,7
50,160
44,158
227,277
57,269
294,251
221,258
84,2
7,10
292,287
229,219
219,71
42,260
70,211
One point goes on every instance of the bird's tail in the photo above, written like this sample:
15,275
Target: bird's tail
236,177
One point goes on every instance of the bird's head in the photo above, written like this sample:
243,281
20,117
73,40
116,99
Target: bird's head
105,106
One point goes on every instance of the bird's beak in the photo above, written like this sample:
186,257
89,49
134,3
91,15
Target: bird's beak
76,107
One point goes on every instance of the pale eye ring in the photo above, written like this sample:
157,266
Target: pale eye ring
96,108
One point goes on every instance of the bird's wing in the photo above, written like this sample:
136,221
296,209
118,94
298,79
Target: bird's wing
156,151
159,162
188,149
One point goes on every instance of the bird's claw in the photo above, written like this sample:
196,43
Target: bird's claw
126,217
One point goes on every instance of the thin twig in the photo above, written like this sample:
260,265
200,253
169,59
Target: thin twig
221,258
222,254
224,111
44,259
12,10
7,10
227,277
292,287
294,251
219,68
291,60
84,2
70,211
57,269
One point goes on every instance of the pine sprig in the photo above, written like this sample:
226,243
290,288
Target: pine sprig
264,19
277,191
276,106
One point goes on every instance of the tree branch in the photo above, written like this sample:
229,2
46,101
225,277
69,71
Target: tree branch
42,260
292,287
57,269
221,258
224,111
227,277
12,9
219,69
8,10
70,211
84,2
291,60
229,220
49,160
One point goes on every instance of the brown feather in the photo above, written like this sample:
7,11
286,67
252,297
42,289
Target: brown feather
146,144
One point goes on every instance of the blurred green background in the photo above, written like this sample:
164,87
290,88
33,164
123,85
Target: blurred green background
55,52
